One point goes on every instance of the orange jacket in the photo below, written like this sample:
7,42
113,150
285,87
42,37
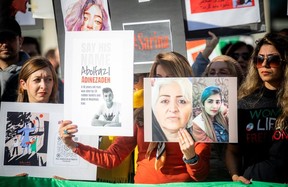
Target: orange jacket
174,170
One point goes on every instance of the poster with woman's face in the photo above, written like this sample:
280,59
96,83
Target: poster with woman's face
85,15
205,107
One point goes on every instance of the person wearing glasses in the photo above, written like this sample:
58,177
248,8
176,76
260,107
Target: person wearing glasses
261,153
241,52
224,66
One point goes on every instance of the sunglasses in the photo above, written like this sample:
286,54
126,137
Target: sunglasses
236,56
272,61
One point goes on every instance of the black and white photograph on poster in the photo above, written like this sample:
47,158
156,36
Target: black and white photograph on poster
150,38
85,15
99,67
199,105
108,112
29,140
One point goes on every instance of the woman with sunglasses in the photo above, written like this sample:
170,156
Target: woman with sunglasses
262,150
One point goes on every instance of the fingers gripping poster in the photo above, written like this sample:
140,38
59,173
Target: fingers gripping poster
99,82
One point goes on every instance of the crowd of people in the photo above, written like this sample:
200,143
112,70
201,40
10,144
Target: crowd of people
184,149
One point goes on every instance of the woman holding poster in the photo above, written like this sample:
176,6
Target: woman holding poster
87,15
180,161
37,84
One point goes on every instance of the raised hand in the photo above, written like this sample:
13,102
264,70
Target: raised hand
186,143
210,44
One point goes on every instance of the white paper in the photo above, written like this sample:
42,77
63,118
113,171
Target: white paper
51,157
222,18
93,61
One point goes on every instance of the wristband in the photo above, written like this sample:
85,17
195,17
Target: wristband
192,160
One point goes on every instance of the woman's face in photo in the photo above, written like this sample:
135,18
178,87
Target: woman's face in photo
212,104
172,109
92,19
39,86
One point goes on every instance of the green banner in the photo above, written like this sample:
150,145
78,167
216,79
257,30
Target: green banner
34,181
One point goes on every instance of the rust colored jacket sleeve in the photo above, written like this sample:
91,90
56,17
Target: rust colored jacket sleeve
109,158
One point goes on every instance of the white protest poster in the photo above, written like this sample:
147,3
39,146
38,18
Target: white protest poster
29,143
191,103
99,82
213,14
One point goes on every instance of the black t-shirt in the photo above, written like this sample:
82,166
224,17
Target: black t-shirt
257,115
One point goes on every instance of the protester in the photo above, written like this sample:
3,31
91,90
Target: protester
11,58
31,46
202,60
183,161
241,52
261,153
37,82
224,66
54,57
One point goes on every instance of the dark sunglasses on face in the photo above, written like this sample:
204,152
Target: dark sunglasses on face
272,61
236,56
